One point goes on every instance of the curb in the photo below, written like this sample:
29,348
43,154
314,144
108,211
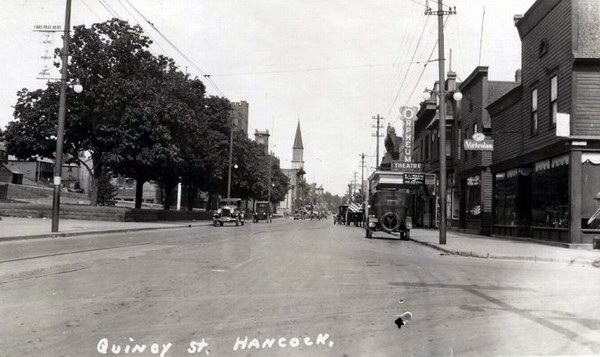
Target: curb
489,256
85,233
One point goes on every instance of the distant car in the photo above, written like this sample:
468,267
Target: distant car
230,212
262,211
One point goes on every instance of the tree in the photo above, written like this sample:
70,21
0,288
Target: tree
116,112
205,148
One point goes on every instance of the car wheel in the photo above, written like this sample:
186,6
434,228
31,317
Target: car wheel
221,224
242,223
237,222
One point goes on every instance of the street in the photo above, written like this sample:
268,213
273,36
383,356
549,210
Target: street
300,288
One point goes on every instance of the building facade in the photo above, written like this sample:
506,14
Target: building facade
239,115
426,152
547,182
473,176
262,137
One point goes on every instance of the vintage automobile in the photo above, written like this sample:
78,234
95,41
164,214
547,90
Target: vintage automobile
262,211
340,217
388,211
229,212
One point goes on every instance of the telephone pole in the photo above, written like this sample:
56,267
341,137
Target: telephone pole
377,136
362,176
440,13
62,109
354,182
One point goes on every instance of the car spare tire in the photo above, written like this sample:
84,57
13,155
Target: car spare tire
389,222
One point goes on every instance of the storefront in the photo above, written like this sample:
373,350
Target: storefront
590,192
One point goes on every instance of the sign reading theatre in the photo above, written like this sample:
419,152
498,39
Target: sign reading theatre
407,166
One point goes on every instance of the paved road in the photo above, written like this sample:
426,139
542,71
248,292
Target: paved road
290,288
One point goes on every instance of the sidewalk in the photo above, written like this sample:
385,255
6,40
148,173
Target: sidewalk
12,228
498,248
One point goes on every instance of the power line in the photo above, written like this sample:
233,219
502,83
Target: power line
110,10
115,14
147,33
189,60
423,71
408,68
308,69
91,10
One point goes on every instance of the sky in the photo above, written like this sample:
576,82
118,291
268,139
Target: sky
331,64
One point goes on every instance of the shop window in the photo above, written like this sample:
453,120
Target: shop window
550,193
512,197
534,111
473,198
553,100
590,191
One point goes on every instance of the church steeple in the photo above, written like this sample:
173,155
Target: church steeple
298,150
298,139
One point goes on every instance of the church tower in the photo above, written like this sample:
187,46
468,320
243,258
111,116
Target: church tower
298,150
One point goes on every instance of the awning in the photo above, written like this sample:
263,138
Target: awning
354,207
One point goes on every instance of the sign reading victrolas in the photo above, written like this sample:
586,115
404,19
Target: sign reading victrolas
479,143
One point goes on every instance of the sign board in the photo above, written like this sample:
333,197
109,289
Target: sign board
484,145
563,124
473,181
47,28
414,179
408,115
479,137
407,166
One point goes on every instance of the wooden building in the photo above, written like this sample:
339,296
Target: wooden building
473,175
547,186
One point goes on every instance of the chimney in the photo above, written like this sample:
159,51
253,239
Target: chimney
517,18
518,75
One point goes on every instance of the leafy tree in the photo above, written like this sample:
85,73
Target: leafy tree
117,111
106,192
205,148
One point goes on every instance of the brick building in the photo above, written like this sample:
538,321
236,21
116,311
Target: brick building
239,113
545,185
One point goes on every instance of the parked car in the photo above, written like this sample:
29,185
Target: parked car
229,212
340,217
262,211
388,210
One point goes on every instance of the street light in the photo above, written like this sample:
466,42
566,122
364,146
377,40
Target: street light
457,97
77,87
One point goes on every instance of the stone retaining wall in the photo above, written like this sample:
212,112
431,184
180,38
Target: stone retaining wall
90,213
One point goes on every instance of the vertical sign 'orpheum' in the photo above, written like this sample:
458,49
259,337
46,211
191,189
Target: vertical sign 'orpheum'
408,116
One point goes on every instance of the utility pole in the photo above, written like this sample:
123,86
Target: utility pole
62,104
269,188
440,13
362,176
377,136
230,159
